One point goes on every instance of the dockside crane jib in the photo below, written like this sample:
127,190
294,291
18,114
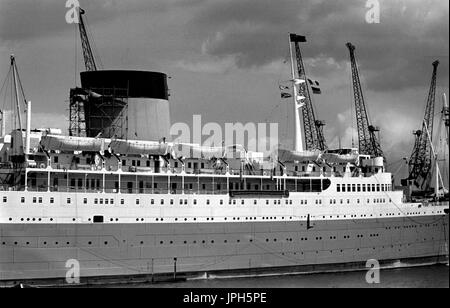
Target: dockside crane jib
421,160
312,128
368,142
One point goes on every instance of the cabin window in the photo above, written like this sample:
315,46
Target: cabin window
378,187
106,201
34,199
111,201
122,201
101,200
55,159
221,202
338,187
162,201
133,163
353,187
343,187
189,165
148,163
152,201
349,189
52,200
207,202
22,200
171,201
95,201
5,199
68,200
138,163
137,201
124,162
195,201
202,165
363,187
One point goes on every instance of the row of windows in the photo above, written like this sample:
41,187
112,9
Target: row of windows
110,201
205,242
363,187
137,163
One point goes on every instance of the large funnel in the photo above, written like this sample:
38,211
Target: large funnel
126,104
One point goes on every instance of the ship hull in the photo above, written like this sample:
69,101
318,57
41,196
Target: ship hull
108,251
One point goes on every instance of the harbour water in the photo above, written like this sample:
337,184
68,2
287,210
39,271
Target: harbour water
435,276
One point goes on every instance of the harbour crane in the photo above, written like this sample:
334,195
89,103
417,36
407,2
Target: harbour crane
368,142
421,160
89,59
313,129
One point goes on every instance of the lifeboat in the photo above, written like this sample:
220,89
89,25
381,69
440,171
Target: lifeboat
341,156
137,147
73,144
304,156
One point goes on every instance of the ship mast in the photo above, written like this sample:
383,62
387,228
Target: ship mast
16,89
298,140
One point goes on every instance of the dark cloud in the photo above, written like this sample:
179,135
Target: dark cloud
33,19
392,55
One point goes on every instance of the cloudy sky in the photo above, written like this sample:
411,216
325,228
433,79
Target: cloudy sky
226,58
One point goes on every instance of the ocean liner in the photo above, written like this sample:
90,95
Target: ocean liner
123,206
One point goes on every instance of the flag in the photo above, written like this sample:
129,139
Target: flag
300,97
315,86
282,88
297,38
285,95
298,81
299,104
